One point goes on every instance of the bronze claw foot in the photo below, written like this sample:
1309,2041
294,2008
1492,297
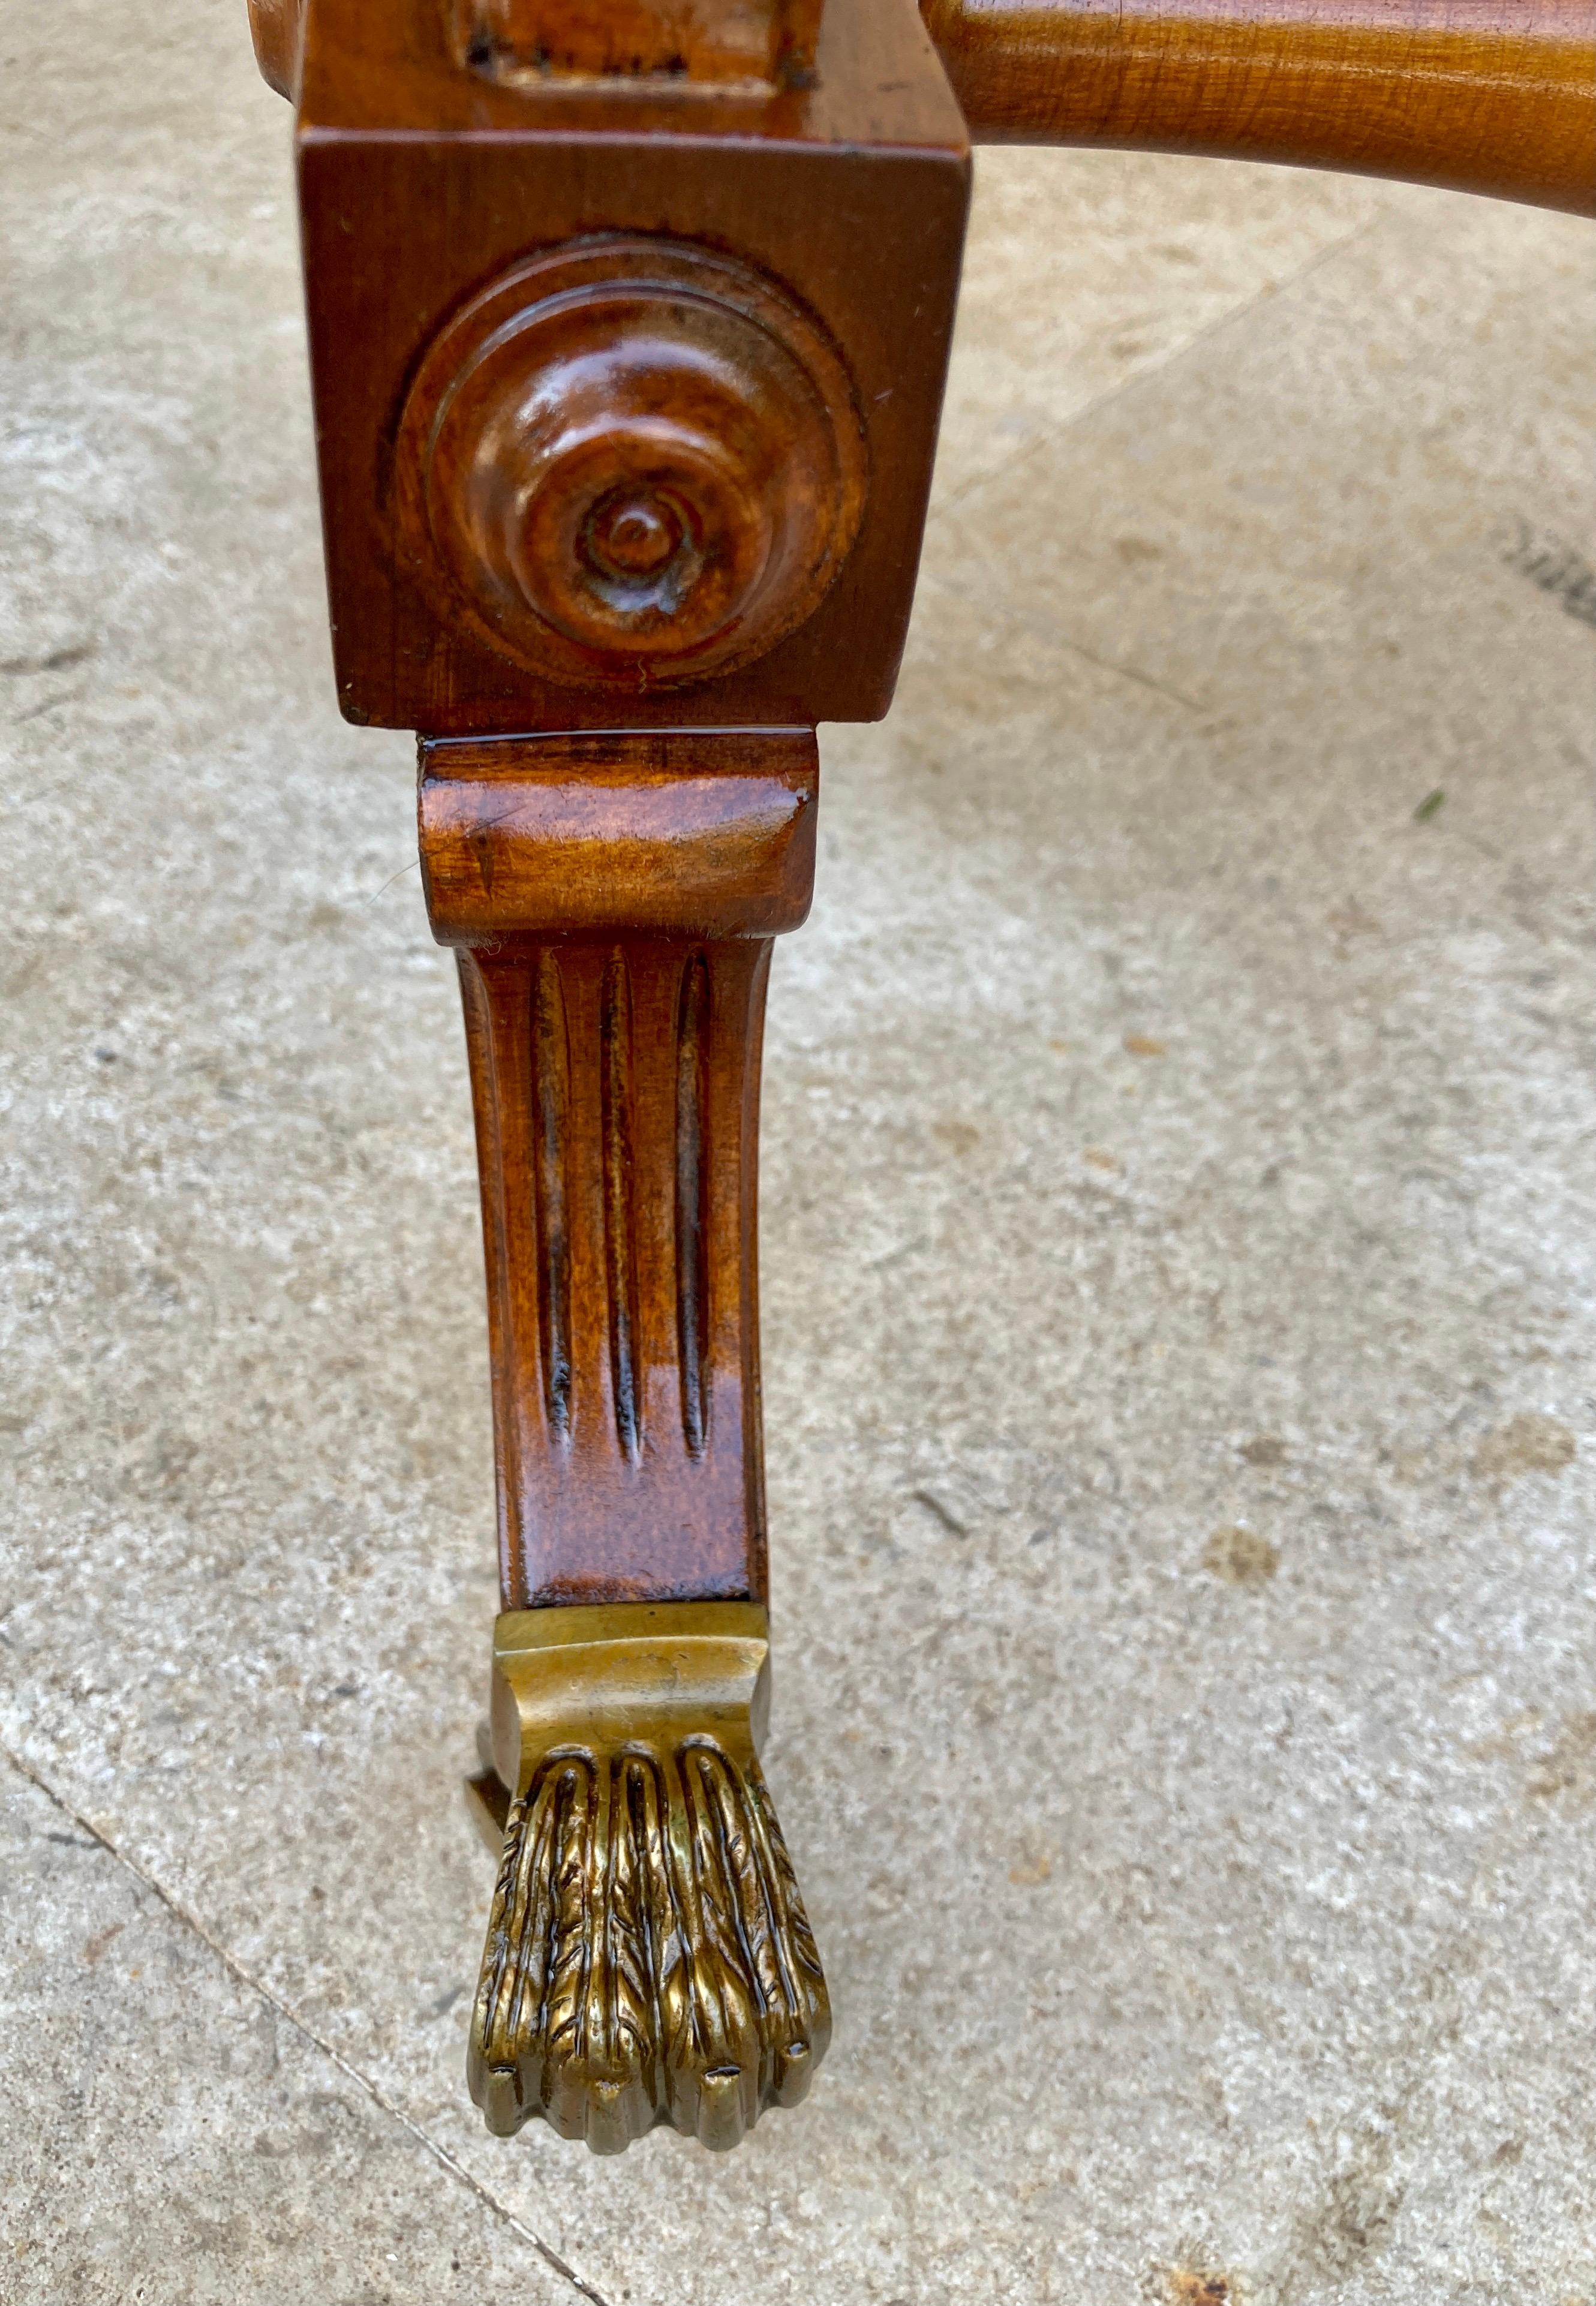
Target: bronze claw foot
648,1958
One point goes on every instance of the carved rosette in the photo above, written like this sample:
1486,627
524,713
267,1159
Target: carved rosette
648,1958
630,464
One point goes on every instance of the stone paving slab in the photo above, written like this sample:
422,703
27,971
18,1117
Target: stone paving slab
173,2138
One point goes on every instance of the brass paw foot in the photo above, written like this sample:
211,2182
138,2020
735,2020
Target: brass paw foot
648,1957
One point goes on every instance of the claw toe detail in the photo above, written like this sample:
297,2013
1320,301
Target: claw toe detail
648,1958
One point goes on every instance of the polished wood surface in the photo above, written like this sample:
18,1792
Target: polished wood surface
1485,96
678,835
613,902
1488,96
629,466
275,27
722,529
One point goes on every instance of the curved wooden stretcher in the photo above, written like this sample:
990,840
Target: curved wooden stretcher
629,326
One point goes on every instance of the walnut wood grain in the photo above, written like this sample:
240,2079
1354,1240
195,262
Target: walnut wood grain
1484,96
676,835
614,900
490,561
1487,95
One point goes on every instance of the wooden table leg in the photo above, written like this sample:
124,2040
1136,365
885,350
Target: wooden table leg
627,330
613,902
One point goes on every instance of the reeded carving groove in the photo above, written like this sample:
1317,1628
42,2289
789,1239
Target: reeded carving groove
551,1099
621,1257
692,1156
648,1958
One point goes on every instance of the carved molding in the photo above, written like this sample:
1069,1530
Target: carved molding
685,835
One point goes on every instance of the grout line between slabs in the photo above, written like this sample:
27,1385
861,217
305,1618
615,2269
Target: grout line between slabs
230,1962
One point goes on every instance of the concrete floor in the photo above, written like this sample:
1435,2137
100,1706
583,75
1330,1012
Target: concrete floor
1180,1213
